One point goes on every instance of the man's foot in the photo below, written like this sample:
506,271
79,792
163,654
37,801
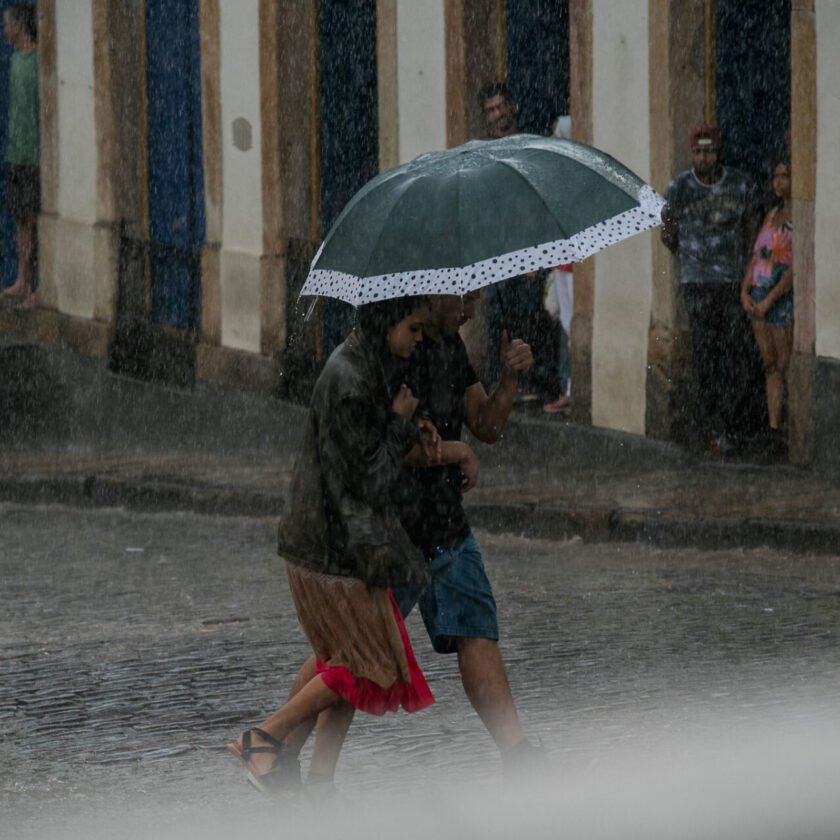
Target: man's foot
524,762
722,446
774,447
561,405
321,790
16,290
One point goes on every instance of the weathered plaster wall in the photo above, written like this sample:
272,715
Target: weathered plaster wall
421,77
623,292
827,207
68,247
242,223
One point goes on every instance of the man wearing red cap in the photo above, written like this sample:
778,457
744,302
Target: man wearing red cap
708,222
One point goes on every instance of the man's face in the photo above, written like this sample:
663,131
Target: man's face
447,313
10,28
704,159
498,113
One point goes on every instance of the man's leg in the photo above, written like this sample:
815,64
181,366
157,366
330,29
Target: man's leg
486,686
459,612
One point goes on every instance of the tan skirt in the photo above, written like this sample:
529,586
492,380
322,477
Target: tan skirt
350,625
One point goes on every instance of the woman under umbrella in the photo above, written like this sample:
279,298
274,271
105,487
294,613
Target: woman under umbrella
342,541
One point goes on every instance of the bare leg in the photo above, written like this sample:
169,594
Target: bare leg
26,243
767,351
298,736
309,702
781,339
486,685
333,724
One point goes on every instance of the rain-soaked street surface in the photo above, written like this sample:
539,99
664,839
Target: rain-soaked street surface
135,645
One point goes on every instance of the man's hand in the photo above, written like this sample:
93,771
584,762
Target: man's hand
515,355
468,464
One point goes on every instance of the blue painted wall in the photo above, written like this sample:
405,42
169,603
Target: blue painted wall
8,257
348,122
538,61
176,178
753,82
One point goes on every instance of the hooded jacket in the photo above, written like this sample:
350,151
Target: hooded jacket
341,518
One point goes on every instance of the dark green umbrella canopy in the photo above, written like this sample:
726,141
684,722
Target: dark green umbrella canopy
449,222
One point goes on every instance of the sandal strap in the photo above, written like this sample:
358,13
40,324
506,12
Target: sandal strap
247,750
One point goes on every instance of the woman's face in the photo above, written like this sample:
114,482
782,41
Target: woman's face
781,180
404,336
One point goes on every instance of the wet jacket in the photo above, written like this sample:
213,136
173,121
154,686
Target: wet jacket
341,518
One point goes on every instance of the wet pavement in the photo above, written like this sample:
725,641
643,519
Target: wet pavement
135,644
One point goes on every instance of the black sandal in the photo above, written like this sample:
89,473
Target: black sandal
284,775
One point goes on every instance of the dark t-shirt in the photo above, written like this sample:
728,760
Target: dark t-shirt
431,502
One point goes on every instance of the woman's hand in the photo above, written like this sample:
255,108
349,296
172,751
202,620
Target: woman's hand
747,303
759,310
404,403
429,440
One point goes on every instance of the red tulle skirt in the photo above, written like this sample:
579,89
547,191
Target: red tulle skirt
367,696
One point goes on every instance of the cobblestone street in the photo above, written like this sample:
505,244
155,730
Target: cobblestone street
135,645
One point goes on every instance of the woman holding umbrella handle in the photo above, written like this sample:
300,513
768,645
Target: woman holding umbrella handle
343,542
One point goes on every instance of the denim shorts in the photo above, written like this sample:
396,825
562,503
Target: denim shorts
780,314
458,601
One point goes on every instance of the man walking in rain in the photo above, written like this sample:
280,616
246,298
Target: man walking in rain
708,222
457,606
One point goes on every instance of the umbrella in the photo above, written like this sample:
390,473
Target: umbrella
453,221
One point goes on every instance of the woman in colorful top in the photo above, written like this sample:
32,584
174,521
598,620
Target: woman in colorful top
342,540
767,297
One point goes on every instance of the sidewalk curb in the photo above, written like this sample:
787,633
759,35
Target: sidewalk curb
599,523
145,496
605,524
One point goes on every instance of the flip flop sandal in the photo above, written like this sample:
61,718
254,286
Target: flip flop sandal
284,775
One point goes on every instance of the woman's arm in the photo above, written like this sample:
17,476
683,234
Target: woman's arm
369,455
747,302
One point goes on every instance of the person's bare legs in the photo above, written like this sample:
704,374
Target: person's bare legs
333,725
295,740
775,357
486,686
308,702
780,338
26,244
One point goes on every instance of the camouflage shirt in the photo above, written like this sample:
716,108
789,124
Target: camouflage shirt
714,222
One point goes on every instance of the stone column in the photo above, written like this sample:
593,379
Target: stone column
680,88
87,63
804,189
476,53
298,161
243,278
580,108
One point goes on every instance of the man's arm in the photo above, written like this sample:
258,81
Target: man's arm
486,415
449,452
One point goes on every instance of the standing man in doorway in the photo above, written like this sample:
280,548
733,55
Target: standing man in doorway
23,183
708,221
517,304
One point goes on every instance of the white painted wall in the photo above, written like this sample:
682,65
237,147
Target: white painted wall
623,288
242,220
827,206
76,128
421,77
